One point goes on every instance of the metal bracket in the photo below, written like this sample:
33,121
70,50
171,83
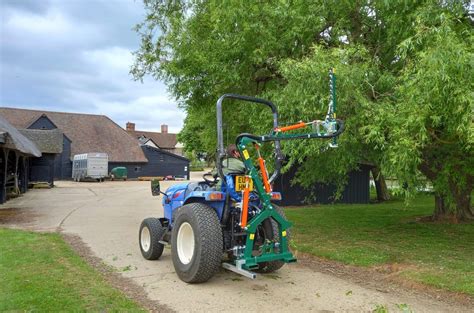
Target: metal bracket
237,268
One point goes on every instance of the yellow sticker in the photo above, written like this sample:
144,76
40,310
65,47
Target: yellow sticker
252,236
283,233
246,154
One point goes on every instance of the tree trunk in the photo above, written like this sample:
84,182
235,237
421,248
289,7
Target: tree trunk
380,184
459,194
464,209
441,208
462,199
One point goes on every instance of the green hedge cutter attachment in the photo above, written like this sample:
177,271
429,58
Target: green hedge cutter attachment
329,128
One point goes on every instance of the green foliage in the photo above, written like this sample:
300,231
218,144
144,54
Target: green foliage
405,308
404,77
195,165
380,308
388,235
40,273
435,95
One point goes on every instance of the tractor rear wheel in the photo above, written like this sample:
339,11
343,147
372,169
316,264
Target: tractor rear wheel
269,230
151,232
196,243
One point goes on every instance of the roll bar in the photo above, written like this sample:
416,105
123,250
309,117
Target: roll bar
221,153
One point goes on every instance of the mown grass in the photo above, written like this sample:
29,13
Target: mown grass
437,254
40,272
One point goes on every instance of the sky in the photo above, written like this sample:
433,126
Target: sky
75,56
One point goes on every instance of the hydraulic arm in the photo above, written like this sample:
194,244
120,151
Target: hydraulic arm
329,128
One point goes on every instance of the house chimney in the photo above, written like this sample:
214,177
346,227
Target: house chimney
164,128
131,126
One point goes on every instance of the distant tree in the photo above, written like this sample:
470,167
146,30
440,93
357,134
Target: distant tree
405,95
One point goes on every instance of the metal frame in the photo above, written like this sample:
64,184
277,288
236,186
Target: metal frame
221,154
333,128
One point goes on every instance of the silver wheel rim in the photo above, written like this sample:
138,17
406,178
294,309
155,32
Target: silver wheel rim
145,239
185,243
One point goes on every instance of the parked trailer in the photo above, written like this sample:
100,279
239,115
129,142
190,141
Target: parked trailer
90,165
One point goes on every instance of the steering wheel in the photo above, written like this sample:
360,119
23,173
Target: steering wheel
209,181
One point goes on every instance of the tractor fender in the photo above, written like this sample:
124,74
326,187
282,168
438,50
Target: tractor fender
214,199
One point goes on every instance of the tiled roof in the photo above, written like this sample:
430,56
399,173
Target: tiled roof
88,133
15,140
47,141
164,141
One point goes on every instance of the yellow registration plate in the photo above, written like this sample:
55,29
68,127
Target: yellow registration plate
240,183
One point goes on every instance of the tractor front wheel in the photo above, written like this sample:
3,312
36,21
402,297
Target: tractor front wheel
196,243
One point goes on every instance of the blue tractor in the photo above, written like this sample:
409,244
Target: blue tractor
238,225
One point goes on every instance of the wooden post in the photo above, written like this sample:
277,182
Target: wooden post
16,188
5,167
2,176
24,183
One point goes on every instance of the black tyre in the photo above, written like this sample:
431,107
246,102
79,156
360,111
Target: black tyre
269,231
151,232
196,243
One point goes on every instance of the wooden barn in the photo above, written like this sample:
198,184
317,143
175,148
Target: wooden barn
50,143
357,189
160,163
16,152
86,133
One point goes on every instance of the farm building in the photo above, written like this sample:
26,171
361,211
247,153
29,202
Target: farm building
160,163
85,133
50,144
16,152
356,190
163,140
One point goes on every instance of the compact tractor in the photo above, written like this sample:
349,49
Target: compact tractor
237,225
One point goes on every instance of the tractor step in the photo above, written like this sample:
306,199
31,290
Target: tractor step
237,268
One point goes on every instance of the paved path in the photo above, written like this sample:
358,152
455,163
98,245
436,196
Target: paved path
107,216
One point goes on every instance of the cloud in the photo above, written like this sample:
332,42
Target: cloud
115,58
52,24
75,56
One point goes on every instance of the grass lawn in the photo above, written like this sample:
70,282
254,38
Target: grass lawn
39,272
437,254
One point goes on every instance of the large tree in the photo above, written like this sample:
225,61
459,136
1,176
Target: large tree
386,54
434,94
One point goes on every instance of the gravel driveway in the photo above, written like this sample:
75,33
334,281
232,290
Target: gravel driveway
106,216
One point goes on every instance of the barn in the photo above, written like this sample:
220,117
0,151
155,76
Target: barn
163,140
85,133
50,144
160,163
16,151
357,189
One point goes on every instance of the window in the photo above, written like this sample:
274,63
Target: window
138,168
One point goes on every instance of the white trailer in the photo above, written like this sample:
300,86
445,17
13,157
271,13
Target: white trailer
90,165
